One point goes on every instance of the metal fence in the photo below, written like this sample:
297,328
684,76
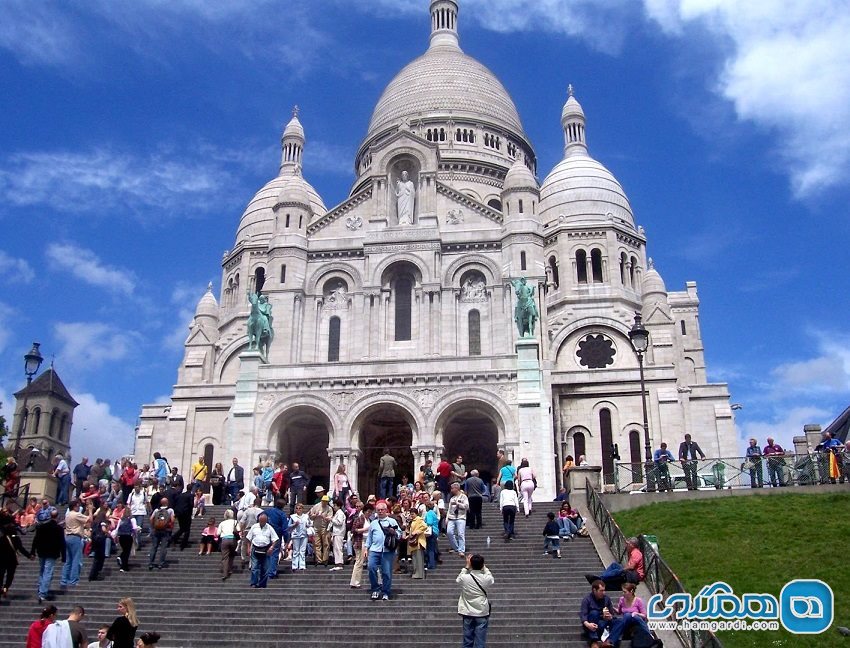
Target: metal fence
659,577
729,472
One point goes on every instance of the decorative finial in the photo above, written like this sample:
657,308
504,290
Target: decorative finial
651,264
209,287
295,110
570,90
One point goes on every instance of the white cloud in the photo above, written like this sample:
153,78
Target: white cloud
787,70
103,180
36,33
321,157
97,432
7,313
14,269
828,372
87,345
86,265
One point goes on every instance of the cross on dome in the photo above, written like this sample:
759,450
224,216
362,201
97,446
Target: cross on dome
295,111
570,90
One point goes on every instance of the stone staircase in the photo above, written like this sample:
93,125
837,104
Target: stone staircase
535,600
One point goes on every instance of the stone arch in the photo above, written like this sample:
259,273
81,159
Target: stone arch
230,354
418,262
613,328
402,152
489,269
497,405
356,280
361,409
300,400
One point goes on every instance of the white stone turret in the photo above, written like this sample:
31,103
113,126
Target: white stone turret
444,24
572,121
292,146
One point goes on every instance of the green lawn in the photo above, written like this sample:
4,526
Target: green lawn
756,544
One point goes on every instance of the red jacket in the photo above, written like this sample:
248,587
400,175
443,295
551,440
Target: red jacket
444,469
36,631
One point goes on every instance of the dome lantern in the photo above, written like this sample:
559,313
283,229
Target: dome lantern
573,123
292,146
444,24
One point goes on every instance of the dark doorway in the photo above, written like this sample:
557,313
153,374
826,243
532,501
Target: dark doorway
384,427
303,439
471,433
634,456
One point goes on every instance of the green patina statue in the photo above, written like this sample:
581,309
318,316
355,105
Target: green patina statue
260,332
525,313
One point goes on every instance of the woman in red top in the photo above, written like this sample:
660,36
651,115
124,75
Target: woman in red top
444,472
128,479
48,616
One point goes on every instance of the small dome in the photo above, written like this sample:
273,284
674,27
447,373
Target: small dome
295,192
294,129
653,284
572,109
258,219
519,177
581,189
207,306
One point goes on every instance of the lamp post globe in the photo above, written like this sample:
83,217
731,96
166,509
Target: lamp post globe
32,361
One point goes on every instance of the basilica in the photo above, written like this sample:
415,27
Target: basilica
388,321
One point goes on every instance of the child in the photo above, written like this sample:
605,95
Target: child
552,539
209,538
200,505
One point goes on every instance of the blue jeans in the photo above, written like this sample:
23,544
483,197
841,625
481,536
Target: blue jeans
383,561
62,489
259,569
274,556
551,544
160,541
431,552
385,488
73,560
623,623
45,575
594,617
475,631
457,535
567,526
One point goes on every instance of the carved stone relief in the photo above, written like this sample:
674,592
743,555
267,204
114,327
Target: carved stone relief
354,223
454,216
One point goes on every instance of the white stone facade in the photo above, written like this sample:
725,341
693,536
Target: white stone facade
402,335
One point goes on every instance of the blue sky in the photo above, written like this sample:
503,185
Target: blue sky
133,134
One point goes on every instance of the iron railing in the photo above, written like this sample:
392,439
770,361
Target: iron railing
660,578
729,473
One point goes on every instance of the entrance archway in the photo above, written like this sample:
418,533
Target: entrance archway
303,437
384,426
470,429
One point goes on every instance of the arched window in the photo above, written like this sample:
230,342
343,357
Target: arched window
36,419
553,265
403,301
63,428
596,264
520,206
634,456
522,264
632,272
54,421
333,339
581,266
684,328
606,438
579,448
287,221
300,221
495,203
208,454
259,279
623,262
283,273
474,320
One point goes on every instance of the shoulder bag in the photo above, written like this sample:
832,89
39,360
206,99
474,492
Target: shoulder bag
489,605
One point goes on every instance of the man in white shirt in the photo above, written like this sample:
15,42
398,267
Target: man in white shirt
138,504
63,474
262,537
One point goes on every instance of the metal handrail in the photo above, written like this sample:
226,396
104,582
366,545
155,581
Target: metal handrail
730,472
660,578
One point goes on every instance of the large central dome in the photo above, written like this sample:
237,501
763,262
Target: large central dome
445,81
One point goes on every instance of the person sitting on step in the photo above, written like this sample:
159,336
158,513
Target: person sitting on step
551,537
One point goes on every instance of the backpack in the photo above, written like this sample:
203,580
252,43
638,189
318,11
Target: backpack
161,519
390,537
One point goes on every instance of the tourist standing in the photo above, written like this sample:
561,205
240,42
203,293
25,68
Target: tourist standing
123,630
200,472
217,484
63,474
76,523
341,489
279,521
688,451
37,628
417,540
337,530
775,463
229,536
235,481
137,504
475,491
359,527
754,460
321,515
125,535
456,516
474,604
509,504
298,481
262,538
162,524
300,529
81,474
48,545
662,458
380,547
386,473
444,474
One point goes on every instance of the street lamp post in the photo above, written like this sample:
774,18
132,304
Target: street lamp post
32,361
640,341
